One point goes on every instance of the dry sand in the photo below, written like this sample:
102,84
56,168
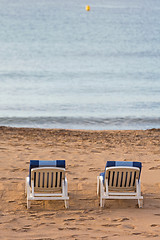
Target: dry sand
86,153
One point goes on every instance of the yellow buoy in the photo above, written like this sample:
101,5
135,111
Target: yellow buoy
87,8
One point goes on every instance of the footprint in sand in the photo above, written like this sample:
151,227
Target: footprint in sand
11,201
94,169
15,229
155,168
72,228
151,235
128,226
124,219
69,219
111,225
74,236
104,237
136,233
26,228
121,219
83,179
52,223
155,225
157,214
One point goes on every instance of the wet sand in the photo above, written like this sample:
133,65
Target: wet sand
86,153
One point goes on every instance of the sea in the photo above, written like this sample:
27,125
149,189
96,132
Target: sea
64,67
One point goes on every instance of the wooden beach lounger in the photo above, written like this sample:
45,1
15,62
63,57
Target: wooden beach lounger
47,181
120,180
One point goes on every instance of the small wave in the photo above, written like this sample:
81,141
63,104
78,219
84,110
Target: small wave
82,123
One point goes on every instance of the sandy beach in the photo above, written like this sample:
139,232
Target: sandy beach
86,153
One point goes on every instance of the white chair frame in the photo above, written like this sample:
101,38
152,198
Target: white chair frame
124,183
47,183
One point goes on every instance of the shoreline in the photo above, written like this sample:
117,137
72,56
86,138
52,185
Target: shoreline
85,152
70,129
87,123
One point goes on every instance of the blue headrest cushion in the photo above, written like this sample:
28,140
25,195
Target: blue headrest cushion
123,164
39,163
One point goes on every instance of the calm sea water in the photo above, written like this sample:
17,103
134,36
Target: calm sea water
64,67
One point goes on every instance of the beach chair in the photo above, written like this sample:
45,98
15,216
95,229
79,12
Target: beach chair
47,181
120,180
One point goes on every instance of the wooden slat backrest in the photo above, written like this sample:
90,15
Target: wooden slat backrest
122,178
47,179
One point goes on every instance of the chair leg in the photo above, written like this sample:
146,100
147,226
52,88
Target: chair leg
65,192
98,186
140,203
102,202
66,202
28,204
101,192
